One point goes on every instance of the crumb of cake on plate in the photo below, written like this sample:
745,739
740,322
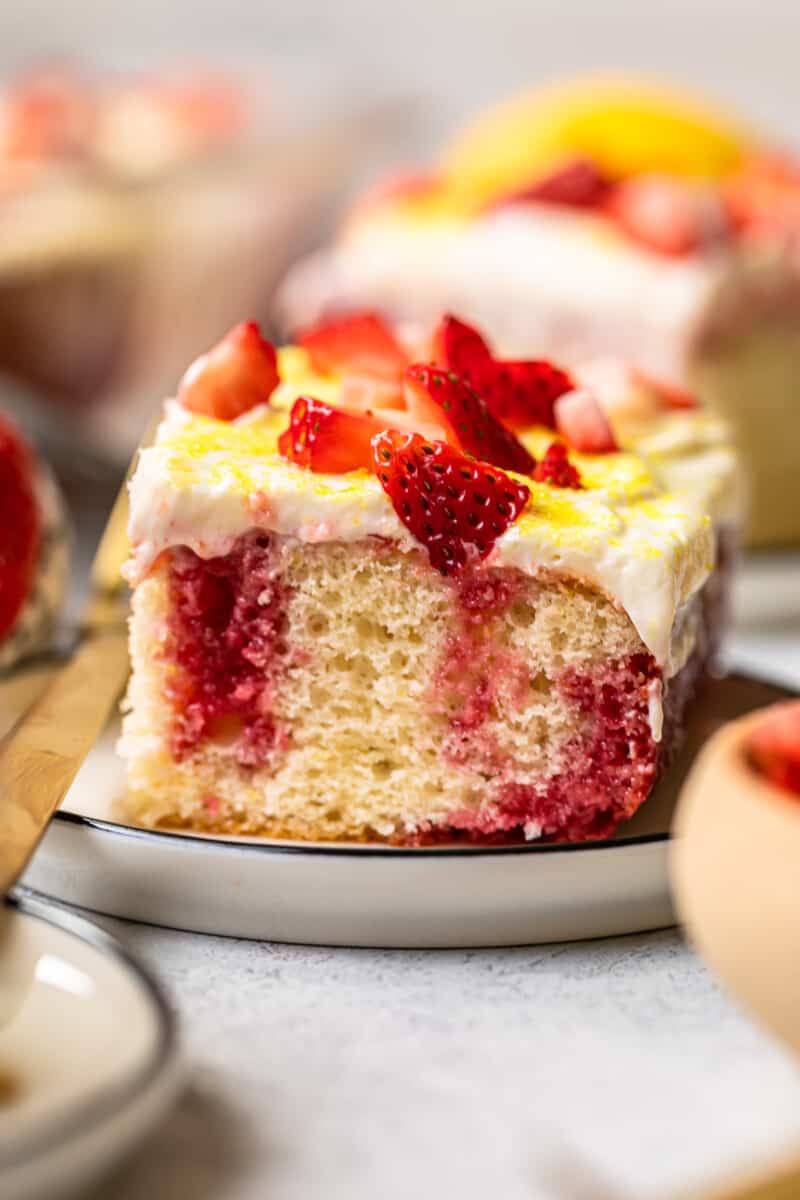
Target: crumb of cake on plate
595,218
419,594
34,548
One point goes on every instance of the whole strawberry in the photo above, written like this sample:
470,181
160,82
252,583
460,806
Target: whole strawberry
456,507
20,528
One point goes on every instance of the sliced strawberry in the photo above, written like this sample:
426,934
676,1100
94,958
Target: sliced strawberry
433,394
359,344
556,469
365,392
20,529
406,422
519,394
775,746
577,183
670,216
239,372
456,507
459,346
328,440
625,392
581,420
670,395
524,393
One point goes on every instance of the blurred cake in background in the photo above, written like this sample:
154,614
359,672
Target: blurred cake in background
599,217
34,548
68,243
123,204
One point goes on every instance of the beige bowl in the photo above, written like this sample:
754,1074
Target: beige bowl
736,876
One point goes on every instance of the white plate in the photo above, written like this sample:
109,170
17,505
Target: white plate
356,895
88,1061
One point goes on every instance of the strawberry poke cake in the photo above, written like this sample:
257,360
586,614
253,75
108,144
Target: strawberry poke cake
418,593
594,218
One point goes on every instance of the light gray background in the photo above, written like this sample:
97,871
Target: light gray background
458,53
365,1075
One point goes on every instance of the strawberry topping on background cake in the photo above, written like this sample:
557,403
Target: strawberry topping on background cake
669,216
20,531
774,747
456,507
576,183
519,394
238,373
763,197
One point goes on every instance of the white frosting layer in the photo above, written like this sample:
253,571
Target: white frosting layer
205,483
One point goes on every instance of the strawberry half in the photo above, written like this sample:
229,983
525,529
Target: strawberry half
519,394
556,469
435,395
359,344
669,216
328,440
456,507
239,372
775,746
365,392
581,420
20,529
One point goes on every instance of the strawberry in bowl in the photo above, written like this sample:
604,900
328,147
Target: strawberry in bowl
34,548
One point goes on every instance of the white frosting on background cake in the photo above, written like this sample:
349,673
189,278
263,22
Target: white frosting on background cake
537,278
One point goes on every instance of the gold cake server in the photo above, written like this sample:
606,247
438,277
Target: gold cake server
41,754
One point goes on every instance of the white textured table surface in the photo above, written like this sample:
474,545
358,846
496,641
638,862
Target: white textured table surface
613,1068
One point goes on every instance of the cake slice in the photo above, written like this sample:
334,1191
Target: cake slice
414,595
603,218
